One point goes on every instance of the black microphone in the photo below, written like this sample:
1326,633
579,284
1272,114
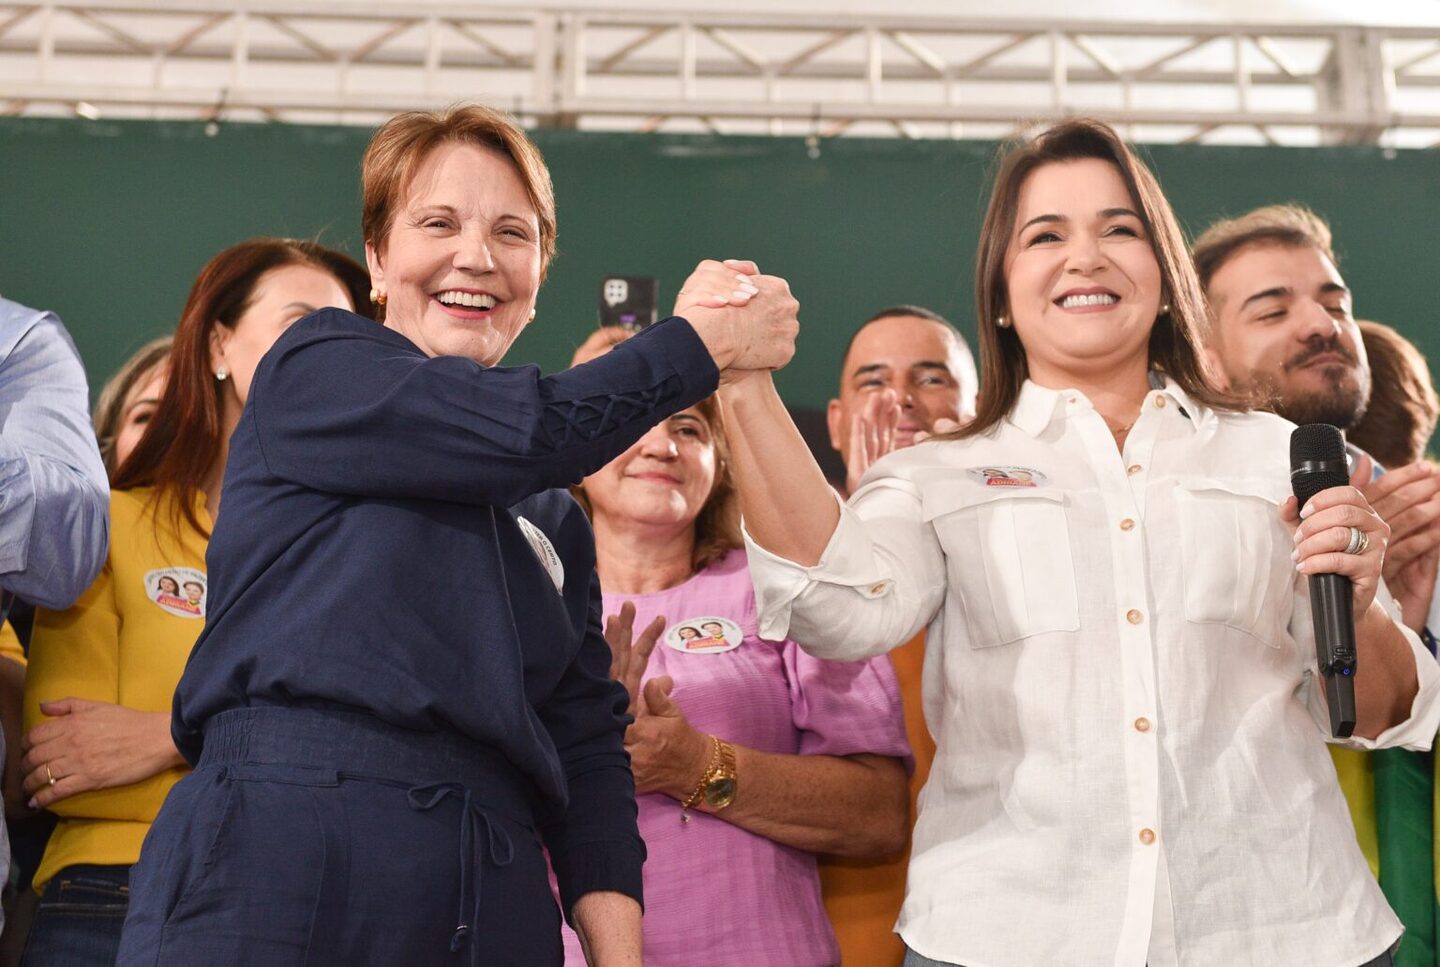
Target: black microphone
1317,462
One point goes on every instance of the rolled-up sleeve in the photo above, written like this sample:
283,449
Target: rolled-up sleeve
1417,731
879,581
54,524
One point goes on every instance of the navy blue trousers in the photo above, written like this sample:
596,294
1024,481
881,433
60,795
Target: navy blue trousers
311,836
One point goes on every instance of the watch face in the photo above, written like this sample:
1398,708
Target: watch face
720,793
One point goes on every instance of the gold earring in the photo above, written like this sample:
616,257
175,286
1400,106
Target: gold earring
1002,322
377,298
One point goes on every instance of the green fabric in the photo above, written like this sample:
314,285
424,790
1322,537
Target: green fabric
1405,806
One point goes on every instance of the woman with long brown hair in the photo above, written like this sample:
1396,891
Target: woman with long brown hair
102,674
1121,677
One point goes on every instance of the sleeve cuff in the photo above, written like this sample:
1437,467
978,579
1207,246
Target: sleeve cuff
1417,731
686,354
592,867
847,561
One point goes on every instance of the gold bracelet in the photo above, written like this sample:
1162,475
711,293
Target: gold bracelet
694,797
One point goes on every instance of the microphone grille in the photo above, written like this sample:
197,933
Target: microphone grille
1317,443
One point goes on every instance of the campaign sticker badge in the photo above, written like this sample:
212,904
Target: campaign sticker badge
1007,476
545,551
177,590
706,635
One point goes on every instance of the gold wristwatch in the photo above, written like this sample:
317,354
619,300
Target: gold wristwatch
718,786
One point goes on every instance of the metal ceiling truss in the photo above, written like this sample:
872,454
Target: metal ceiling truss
318,62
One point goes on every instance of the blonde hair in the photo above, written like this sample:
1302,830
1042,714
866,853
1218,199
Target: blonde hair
1291,226
402,143
110,407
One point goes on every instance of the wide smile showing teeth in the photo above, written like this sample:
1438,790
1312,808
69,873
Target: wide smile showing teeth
1092,299
469,300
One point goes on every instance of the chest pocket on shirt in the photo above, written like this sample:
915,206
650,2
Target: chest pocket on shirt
1233,571
1008,553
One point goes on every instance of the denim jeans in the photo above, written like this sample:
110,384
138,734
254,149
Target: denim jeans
912,959
79,919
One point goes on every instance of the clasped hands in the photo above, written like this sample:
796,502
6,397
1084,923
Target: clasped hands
667,753
747,321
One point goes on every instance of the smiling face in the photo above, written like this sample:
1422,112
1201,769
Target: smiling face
921,360
282,296
663,479
1082,282
460,267
1283,331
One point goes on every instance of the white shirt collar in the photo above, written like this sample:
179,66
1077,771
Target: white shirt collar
1037,406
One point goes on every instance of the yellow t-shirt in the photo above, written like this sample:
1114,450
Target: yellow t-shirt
119,643
10,646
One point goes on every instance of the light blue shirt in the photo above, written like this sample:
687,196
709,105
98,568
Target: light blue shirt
54,498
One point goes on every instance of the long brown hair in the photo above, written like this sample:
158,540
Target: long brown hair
183,441
1176,339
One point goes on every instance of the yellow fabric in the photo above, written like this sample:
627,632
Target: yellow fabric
10,645
1356,772
863,897
116,645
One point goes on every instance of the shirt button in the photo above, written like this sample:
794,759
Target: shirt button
1159,404
1147,836
1133,469
1127,524
1142,724
1134,616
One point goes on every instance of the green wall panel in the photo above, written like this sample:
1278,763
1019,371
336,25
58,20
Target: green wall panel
108,222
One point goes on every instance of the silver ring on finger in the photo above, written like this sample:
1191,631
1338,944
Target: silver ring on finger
1359,541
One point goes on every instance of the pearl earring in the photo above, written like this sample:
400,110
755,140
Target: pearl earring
377,297
222,373
532,316
1002,322
1165,309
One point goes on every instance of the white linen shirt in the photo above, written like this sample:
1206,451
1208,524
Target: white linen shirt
1120,678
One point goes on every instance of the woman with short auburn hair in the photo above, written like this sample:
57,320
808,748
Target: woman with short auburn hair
328,717
98,751
1121,667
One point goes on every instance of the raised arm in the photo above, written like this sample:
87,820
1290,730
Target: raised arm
344,406
788,507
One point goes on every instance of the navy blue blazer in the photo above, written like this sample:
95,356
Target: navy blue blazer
370,554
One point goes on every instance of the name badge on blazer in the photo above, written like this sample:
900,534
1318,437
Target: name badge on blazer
545,551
